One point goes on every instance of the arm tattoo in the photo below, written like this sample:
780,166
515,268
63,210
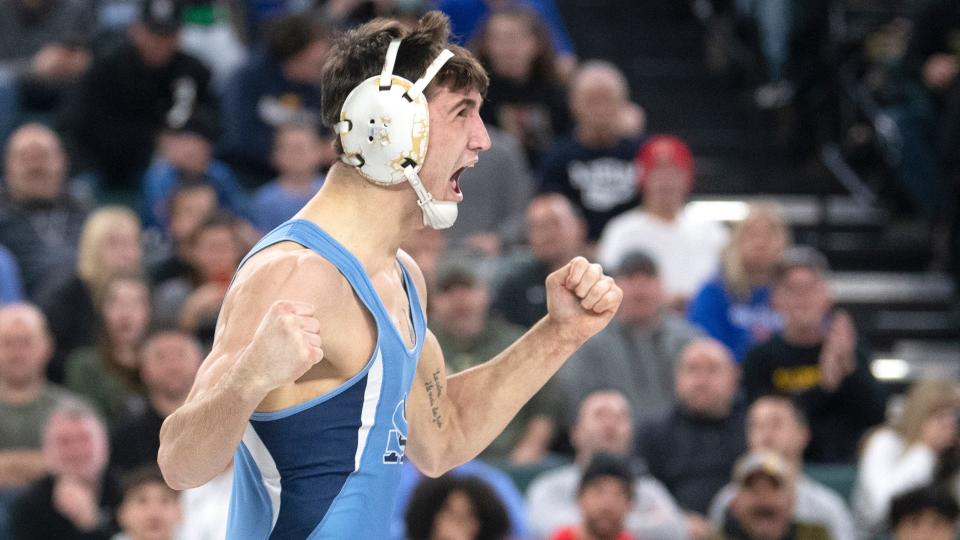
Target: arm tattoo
435,386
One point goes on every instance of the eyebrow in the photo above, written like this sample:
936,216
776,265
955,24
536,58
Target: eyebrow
469,103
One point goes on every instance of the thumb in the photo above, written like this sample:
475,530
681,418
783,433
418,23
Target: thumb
558,276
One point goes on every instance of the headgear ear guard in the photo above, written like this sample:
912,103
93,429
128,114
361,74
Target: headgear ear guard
384,129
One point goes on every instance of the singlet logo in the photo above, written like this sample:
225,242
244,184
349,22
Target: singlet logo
397,437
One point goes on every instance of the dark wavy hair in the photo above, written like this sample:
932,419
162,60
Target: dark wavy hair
431,494
358,54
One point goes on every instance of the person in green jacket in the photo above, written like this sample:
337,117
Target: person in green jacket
107,374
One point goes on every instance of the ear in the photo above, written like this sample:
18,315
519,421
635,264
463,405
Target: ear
49,347
582,228
776,299
737,373
805,436
122,515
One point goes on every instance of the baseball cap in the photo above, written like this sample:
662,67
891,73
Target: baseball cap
663,150
801,257
761,462
917,500
162,16
456,272
202,121
607,465
636,262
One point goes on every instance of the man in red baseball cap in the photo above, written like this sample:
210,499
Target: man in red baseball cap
687,249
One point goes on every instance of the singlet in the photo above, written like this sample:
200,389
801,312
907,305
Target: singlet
330,467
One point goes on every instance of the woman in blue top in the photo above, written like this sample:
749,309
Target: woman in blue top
734,307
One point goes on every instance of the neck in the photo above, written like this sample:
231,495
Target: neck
648,322
595,138
21,394
719,412
126,355
297,180
664,212
759,277
802,335
92,482
518,75
583,533
370,221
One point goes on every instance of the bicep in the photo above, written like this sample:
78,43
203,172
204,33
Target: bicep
427,417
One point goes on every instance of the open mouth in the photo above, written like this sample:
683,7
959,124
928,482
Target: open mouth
455,181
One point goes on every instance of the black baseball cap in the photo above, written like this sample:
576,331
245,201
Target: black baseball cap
927,497
801,257
605,465
202,121
637,262
162,17
457,272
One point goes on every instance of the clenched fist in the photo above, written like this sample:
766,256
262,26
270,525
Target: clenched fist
581,298
285,346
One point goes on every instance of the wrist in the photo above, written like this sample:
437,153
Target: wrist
248,386
563,334
88,521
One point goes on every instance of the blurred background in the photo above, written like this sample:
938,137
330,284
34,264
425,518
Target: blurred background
775,184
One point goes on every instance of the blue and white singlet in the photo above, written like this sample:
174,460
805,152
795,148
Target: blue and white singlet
330,467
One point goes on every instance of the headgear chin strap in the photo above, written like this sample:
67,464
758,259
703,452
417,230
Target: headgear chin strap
384,129
436,214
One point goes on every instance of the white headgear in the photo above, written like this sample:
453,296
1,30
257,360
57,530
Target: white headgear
384,129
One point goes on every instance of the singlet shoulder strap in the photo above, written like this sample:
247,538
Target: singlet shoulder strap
311,236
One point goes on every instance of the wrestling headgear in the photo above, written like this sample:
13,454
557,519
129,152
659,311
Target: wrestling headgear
384,129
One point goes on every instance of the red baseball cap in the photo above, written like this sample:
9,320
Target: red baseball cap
663,150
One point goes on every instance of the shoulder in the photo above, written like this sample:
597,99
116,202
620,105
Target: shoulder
708,229
55,394
626,148
562,151
84,359
765,349
288,266
883,439
267,192
721,500
822,498
647,488
711,297
36,497
715,288
285,271
677,325
556,481
631,219
191,65
658,433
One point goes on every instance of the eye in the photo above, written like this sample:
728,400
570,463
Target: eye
463,113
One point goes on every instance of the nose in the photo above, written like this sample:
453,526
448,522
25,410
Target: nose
479,138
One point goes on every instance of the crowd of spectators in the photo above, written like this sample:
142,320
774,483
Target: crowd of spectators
148,144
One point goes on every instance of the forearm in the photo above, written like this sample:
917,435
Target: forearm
198,440
20,467
482,400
